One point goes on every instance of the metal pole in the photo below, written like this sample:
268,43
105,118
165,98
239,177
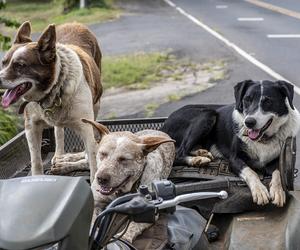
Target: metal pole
82,4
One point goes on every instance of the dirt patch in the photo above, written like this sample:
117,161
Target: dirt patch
186,79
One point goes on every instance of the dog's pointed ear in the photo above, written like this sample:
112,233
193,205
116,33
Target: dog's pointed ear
239,92
150,143
23,33
287,89
47,45
100,128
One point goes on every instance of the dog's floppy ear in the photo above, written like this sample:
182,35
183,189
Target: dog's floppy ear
239,92
100,128
23,33
46,45
150,143
288,90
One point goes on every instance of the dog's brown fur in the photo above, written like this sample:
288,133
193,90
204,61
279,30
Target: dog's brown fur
61,75
90,72
79,35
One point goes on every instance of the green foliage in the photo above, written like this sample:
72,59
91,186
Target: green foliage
5,40
2,5
9,22
8,122
69,5
42,13
133,71
8,126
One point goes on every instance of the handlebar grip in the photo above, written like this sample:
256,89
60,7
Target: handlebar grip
201,186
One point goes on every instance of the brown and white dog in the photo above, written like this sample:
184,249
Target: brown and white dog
58,77
125,160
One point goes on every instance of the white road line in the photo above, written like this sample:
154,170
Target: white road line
250,19
240,51
221,6
283,35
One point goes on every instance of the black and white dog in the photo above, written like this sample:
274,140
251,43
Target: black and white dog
249,134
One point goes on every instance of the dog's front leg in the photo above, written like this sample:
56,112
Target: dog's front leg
87,134
59,143
258,190
34,132
260,193
276,191
134,230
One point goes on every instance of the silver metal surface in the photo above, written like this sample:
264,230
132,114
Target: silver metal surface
192,197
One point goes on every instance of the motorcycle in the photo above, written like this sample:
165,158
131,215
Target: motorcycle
55,212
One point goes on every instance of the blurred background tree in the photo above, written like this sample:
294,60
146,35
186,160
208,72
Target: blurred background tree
5,40
71,4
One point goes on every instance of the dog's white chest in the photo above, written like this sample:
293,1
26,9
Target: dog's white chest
263,153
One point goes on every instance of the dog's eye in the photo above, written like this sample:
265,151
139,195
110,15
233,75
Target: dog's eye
267,102
248,99
4,62
19,65
122,159
103,155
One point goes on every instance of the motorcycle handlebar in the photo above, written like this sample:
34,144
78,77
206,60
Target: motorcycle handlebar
201,186
191,197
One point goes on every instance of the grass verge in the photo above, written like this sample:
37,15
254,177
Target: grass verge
150,108
138,70
8,126
42,13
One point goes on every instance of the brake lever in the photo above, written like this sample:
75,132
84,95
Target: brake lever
191,197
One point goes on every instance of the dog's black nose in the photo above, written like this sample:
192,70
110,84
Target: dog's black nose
103,179
250,122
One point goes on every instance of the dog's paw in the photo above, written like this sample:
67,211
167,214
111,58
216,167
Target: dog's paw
260,194
127,237
54,159
198,161
70,157
56,168
203,153
277,195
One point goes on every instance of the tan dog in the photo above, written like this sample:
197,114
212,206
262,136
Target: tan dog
59,78
125,160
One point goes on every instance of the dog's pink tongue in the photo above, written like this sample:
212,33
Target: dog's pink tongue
9,97
253,134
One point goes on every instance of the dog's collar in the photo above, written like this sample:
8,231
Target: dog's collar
22,107
57,103
48,111
52,101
